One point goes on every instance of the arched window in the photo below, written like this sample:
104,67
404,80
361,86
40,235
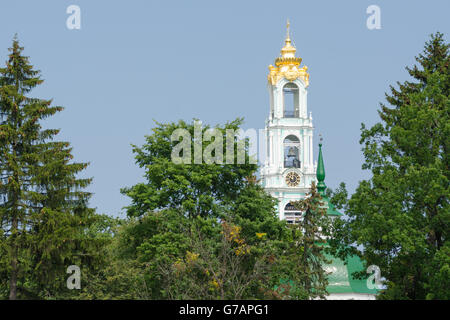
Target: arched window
291,147
292,214
290,100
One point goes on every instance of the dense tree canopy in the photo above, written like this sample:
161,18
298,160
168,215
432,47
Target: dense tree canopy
194,230
207,229
195,188
43,208
401,215
210,231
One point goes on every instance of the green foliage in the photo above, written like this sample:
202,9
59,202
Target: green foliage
255,212
43,210
188,210
305,254
210,231
115,277
401,215
195,189
206,260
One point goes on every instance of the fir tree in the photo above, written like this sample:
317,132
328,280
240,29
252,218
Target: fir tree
43,209
401,215
309,239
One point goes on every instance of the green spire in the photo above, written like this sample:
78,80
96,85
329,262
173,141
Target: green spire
321,172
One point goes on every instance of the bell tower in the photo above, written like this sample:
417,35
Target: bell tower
288,170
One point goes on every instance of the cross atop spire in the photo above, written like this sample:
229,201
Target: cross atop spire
287,30
288,51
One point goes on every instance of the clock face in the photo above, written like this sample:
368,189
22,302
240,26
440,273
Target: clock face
292,179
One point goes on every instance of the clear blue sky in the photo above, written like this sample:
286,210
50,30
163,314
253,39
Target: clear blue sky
135,61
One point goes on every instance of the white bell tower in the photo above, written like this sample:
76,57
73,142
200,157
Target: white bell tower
289,169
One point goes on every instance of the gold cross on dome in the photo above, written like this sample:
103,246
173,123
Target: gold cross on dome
287,27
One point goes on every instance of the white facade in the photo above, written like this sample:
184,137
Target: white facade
281,124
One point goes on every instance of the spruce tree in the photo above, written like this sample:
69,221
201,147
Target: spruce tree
43,208
401,215
309,238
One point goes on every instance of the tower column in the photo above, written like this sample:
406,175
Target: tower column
287,84
280,208
305,152
271,162
280,151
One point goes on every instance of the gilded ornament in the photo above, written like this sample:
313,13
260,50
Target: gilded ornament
288,65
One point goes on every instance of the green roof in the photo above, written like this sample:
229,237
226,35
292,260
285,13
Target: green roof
331,210
341,279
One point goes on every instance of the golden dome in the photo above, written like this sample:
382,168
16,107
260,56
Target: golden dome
288,65
288,51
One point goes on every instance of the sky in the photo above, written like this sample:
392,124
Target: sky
133,62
